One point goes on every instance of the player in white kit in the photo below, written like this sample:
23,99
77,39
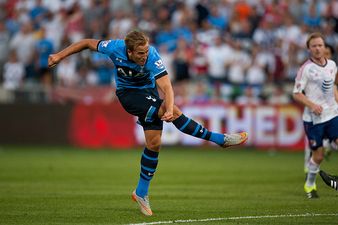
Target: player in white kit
329,147
316,89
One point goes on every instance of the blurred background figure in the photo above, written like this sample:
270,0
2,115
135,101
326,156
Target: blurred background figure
44,47
4,46
23,43
14,72
233,43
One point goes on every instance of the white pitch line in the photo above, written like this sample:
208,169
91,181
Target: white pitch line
236,218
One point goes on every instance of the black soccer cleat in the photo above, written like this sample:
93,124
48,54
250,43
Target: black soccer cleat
330,180
312,194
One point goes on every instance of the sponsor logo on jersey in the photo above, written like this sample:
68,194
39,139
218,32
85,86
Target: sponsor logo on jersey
327,85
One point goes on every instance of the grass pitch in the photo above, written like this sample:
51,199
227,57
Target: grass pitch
61,185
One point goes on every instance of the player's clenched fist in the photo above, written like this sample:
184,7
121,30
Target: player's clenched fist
53,59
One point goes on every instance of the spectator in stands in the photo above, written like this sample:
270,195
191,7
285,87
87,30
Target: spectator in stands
97,18
103,68
4,46
200,93
256,73
66,73
44,47
218,56
74,27
87,77
166,36
263,23
120,24
55,28
199,62
312,16
249,97
264,34
216,19
239,63
168,59
14,72
202,11
207,34
23,43
147,21
38,14
181,60
278,96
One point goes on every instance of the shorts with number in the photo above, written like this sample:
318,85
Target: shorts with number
317,132
143,103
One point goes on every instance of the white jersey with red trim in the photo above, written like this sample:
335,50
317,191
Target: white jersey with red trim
317,83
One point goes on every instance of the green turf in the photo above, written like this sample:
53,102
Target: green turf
57,185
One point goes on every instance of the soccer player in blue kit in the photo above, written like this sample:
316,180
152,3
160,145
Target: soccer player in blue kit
138,72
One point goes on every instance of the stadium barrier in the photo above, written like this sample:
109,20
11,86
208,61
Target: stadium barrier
107,125
24,123
269,126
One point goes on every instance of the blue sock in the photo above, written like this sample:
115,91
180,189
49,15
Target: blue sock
149,162
189,126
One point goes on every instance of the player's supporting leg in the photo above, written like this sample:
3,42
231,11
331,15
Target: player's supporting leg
330,180
307,156
310,183
191,127
149,161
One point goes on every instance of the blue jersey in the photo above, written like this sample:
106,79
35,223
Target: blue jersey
128,74
44,48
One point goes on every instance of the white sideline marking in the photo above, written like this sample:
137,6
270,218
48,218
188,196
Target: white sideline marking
236,218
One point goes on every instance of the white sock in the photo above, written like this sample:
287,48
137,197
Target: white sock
307,157
313,170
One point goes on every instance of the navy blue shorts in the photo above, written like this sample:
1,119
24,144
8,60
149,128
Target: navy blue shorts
316,133
143,103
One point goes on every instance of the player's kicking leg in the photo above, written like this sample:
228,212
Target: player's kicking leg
234,139
193,128
330,180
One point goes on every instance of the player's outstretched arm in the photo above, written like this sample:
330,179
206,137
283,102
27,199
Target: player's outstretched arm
91,44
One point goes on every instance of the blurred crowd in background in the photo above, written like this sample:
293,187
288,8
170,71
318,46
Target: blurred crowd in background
237,51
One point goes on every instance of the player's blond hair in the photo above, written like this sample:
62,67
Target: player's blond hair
135,38
313,36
